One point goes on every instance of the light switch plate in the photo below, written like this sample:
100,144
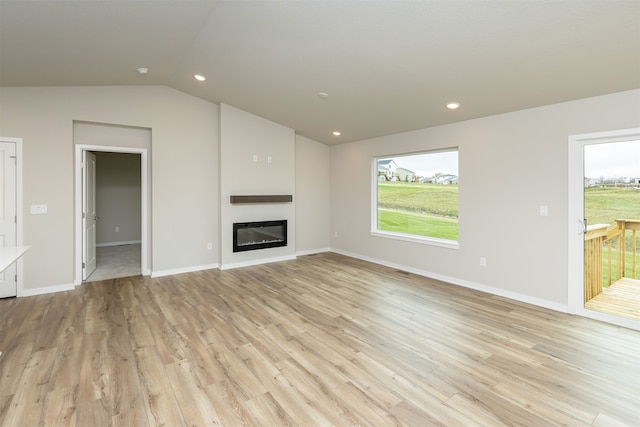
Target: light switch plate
38,209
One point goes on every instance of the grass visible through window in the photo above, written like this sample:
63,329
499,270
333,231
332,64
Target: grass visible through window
418,208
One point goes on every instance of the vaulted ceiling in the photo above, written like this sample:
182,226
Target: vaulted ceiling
387,66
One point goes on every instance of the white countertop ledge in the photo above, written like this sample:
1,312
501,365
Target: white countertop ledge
10,254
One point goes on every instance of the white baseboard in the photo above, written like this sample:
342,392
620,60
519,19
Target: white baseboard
453,280
171,272
464,283
128,242
46,290
256,262
312,251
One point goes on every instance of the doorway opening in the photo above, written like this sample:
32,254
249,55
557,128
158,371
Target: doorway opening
118,225
116,235
604,226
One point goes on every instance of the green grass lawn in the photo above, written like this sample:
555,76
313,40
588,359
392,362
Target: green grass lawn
421,225
421,209
426,199
604,206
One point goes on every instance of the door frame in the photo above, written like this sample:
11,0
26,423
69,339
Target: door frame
576,228
88,208
19,219
144,202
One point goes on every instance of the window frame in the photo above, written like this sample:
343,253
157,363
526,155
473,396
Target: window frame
394,235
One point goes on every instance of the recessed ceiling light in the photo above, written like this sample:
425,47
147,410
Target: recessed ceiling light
453,105
199,77
337,133
142,70
323,95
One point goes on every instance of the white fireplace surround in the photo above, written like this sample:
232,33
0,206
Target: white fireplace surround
257,183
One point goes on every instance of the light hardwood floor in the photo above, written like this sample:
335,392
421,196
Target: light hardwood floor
321,340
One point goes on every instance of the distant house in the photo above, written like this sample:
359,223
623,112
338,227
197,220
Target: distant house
386,169
446,179
590,182
405,174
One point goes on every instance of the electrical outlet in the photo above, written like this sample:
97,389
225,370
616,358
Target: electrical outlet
117,229
335,234
483,261
209,246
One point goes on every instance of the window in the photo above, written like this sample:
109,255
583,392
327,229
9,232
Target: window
416,197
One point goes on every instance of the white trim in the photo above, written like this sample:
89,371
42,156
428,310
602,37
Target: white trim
312,251
47,290
130,242
609,318
256,262
575,288
424,240
464,283
19,218
414,238
144,187
171,272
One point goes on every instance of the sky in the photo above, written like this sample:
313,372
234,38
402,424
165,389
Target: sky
611,160
617,159
427,165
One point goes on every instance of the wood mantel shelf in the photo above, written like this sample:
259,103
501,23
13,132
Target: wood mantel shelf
256,198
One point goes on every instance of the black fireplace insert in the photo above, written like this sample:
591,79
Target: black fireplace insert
249,236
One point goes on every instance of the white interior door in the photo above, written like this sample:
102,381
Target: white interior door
89,217
8,234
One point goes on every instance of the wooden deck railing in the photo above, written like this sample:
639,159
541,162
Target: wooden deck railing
595,239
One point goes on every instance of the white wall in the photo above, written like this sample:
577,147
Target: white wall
184,178
247,142
313,208
509,165
184,172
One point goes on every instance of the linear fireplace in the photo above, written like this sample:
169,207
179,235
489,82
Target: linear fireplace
249,236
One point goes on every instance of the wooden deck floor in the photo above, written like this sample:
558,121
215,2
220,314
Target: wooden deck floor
621,299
